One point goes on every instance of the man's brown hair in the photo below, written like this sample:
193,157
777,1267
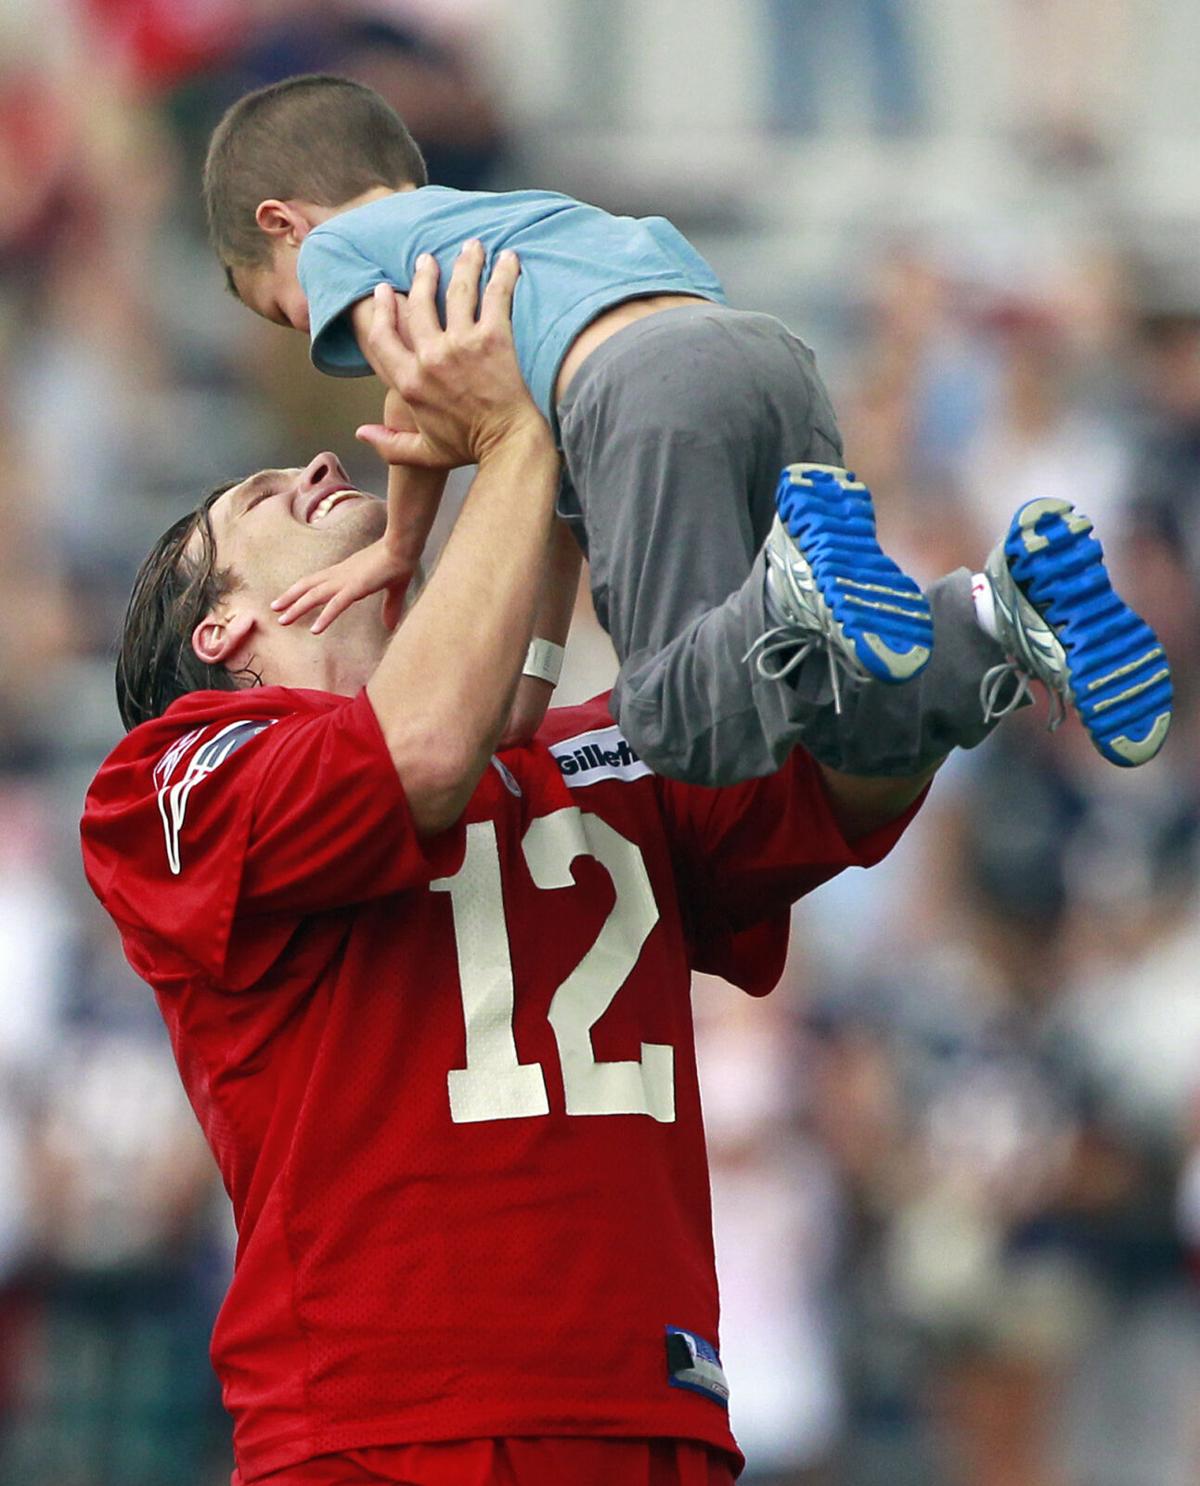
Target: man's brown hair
175,588
315,138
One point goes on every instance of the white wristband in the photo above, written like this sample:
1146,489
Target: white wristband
543,660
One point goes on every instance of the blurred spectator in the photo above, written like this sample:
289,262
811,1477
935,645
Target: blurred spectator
812,43
114,1385
776,1210
1072,75
430,76
1165,492
1040,437
1007,1125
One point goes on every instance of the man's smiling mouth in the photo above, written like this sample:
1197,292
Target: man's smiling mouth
323,506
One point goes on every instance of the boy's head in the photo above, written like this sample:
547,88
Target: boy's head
287,156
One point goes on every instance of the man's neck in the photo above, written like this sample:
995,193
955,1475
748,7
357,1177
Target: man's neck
341,661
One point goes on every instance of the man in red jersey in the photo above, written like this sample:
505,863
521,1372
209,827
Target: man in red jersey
430,1005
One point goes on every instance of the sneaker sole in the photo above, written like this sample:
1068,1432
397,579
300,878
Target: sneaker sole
881,611
1119,677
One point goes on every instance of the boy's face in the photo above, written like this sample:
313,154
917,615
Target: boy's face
273,290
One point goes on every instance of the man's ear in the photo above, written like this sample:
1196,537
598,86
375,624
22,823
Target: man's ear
283,221
214,640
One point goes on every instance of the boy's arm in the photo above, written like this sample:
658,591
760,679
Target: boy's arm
414,496
388,565
362,317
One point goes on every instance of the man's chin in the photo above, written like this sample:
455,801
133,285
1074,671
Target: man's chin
352,525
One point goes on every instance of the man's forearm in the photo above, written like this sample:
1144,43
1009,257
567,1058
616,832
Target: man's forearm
444,686
552,622
865,805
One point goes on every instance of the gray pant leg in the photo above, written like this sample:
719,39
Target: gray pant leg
674,435
899,731
881,731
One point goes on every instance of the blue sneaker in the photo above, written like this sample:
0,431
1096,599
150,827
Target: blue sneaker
1060,621
831,588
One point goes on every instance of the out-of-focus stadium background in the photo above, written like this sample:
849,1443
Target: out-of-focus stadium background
957,1154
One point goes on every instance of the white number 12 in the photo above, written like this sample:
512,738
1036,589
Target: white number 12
495,1085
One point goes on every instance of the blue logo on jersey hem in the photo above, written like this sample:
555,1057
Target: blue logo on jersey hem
693,1363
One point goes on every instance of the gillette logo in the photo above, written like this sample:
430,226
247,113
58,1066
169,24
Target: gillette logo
601,754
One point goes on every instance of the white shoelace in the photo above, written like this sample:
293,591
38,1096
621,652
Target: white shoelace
992,684
781,641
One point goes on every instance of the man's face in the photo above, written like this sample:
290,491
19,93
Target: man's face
273,290
280,525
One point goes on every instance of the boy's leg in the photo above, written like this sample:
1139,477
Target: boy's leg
878,731
669,539
674,433
1061,622
1046,595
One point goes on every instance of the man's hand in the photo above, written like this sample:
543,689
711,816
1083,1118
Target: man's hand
397,415
461,383
368,571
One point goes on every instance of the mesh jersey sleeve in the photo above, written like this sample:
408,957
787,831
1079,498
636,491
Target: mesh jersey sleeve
745,853
334,275
240,825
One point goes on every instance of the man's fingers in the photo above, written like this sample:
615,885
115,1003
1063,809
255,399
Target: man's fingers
395,447
386,347
498,296
462,292
422,314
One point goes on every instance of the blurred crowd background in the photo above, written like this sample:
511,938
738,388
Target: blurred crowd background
957,1154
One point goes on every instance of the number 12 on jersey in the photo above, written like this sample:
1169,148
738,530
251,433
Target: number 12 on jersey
495,1084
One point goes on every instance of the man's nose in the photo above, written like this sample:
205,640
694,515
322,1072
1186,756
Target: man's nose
325,469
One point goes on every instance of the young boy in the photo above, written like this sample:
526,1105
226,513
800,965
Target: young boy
674,414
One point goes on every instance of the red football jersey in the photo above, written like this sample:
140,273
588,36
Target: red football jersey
450,1083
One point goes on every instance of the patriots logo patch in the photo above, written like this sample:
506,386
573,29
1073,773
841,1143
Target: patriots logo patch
209,755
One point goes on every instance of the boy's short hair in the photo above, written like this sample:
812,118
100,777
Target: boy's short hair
315,138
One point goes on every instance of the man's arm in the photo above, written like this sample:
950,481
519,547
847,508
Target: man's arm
444,687
744,853
861,806
553,622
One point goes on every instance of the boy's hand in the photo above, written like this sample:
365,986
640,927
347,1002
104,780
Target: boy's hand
368,571
461,382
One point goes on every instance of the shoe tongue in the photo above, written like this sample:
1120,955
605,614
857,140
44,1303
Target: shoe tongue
985,605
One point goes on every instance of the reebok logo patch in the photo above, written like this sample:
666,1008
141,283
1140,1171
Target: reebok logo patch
693,1363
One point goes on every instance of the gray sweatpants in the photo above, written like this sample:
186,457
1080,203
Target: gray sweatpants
674,433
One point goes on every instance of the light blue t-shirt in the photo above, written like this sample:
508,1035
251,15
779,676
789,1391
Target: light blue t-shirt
576,262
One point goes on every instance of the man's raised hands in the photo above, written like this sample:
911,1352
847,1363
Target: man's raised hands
461,381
